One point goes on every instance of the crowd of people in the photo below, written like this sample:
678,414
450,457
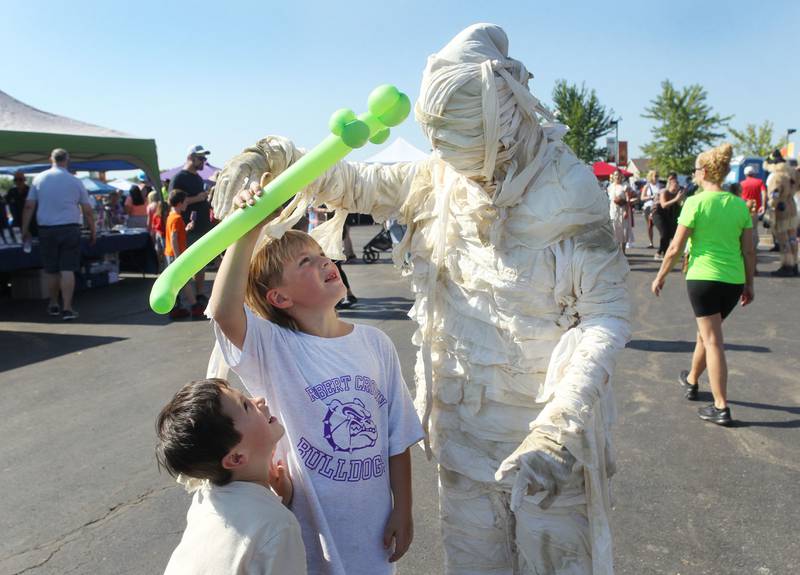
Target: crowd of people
772,203
54,206
175,216
714,228
520,325
660,206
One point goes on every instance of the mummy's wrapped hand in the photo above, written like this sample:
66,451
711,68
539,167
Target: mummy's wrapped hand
540,464
272,154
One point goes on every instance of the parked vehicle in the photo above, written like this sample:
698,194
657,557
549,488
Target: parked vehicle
739,163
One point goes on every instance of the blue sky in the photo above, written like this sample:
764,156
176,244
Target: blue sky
225,74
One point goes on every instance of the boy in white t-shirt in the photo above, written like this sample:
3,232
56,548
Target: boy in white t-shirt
339,391
223,442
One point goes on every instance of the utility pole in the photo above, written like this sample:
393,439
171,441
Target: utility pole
615,123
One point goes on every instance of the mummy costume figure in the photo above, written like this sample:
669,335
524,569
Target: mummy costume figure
521,305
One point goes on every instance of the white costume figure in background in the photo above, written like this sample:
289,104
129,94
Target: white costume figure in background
618,208
782,182
521,304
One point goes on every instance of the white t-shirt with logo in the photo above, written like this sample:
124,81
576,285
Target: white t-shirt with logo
346,410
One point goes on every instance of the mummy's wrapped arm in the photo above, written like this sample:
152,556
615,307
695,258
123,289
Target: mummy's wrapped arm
573,425
347,187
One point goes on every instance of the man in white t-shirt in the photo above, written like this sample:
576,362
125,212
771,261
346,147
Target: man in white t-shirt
58,198
220,443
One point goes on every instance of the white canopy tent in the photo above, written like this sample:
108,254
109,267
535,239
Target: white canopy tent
398,151
121,185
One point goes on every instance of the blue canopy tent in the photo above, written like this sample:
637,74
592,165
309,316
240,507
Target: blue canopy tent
77,165
96,187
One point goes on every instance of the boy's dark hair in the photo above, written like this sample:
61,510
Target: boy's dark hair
176,197
194,434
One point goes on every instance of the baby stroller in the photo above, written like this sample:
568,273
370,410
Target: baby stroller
382,242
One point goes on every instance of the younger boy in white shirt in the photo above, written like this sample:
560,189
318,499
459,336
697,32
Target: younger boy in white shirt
236,523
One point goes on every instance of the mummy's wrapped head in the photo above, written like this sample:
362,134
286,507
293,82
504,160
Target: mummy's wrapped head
475,106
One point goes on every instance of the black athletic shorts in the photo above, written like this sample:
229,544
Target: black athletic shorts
60,248
710,297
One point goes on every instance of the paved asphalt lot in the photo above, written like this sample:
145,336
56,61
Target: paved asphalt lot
81,492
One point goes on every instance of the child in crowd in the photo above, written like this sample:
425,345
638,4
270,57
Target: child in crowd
175,245
338,389
236,524
157,213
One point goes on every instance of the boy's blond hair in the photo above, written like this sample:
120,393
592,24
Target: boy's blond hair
266,273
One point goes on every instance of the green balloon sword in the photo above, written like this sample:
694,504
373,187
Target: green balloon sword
387,106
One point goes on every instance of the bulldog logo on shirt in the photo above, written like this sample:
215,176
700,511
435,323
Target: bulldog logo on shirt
349,426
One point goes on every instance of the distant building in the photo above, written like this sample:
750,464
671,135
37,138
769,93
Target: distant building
639,167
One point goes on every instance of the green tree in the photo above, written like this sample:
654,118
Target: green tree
685,126
755,140
588,120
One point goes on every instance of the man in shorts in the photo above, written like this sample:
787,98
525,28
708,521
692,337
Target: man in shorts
58,198
198,210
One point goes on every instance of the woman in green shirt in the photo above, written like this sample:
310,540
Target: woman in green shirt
719,274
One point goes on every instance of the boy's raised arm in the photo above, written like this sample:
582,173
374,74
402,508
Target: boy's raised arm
226,305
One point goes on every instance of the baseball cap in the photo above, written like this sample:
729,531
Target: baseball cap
197,150
749,170
141,176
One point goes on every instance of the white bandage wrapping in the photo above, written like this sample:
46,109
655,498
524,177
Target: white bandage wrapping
519,287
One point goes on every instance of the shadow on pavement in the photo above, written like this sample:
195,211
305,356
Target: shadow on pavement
682,346
705,397
385,258
790,424
650,269
21,348
379,308
794,410
124,303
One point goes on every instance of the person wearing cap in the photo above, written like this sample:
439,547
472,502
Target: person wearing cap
754,190
198,209
59,198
